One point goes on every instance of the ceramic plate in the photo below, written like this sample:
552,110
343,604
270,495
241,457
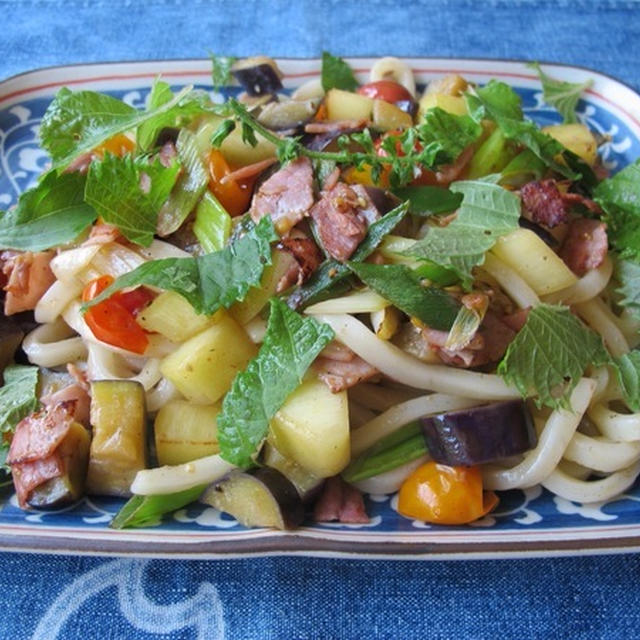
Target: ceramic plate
526,522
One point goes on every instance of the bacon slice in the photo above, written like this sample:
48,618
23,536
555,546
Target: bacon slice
585,245
102,233
167,154
28,277
307,259
451,172
340,502
75,393
286,196
27,476
544,202
339,221
342,374
335,126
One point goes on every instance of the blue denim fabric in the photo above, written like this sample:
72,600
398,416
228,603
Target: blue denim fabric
290,598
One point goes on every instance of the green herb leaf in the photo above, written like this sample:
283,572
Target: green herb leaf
501,103
114,190
336,73
628,275
550,354
429,200
487,212
329,278
403,288
563,96
211,281
451,133
48,215
221,71
627,369
75,123
619,196
148,131
147,511
291,344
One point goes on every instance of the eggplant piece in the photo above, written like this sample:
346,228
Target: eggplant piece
118,448
306,483
258,75
69,487
258,498
480,434
287,115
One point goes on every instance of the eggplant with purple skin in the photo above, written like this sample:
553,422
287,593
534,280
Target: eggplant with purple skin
257,498
480,434
258,75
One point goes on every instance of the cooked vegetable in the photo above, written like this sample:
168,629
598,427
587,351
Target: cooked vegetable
259,498
184,431
481,434
344,105
212,225
203,367
445,495
258,75
312,428
306,483
69,486
576,138
11,336
118,447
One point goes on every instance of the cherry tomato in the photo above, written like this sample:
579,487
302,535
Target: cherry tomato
119,145
136,300
234,195
424,176
386,90
445,495
113,322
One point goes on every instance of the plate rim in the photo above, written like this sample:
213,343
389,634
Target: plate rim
290,543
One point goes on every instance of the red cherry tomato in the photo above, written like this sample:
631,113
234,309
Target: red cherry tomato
386,90
136,300
113,321
234,195
424,176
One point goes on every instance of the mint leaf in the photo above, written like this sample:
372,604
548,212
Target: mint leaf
291,343
428,200
501,103
18,395
114,190
337,74
628,275
48,215
619,196
403,288
550,354
627,369
451,133
563,96
331,274
221,71
487,212
148,131
75,123
211,281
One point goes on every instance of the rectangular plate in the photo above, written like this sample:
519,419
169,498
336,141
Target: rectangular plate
530,522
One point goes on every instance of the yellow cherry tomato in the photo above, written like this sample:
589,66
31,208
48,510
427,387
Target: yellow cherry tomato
441,494
118,145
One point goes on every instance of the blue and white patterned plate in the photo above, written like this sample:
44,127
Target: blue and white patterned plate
526,522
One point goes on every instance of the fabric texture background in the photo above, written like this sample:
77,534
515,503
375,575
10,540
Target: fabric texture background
46,597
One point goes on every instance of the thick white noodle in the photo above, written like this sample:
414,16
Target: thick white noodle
181,477
116,259
600,318
541,461
104,364
620,427
365,301
159,249
589,286
400,366
583,491
601,454
56,298
519,291
390,481
50,345
67,264
309,90
162,393
391,420
396,70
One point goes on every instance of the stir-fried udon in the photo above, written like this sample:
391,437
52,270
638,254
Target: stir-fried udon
281,302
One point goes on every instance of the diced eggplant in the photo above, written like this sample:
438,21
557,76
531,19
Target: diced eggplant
382,199
118,448
258,75
327,141
67,488
289,114
258,498
480,434
306,483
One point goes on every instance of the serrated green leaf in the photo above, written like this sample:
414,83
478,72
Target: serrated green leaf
487,212
550,354
291,343
563,96
18,395
452,133
336,73
114,190
627,273
221,71
627,369
51,214
211,281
